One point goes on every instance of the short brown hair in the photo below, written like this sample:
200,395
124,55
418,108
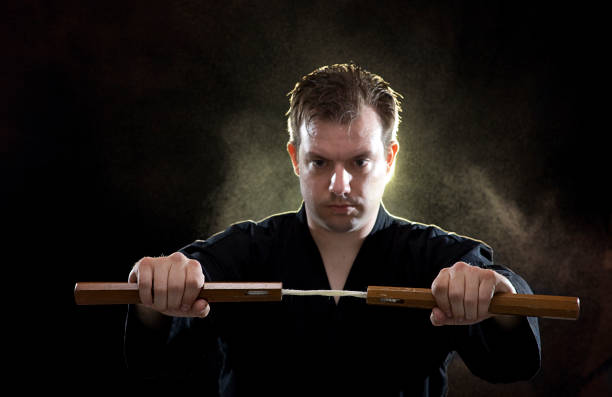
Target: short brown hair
337,93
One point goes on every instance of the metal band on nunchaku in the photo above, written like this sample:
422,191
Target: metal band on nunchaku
546,306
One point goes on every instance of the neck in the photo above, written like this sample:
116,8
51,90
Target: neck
338,251
327,239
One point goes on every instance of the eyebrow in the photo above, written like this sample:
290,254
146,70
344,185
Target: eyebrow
313,154
364,153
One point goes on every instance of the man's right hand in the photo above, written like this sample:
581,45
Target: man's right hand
169,285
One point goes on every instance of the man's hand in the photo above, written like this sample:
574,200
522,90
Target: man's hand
169,285
463,293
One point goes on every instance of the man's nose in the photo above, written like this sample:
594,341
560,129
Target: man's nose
340,183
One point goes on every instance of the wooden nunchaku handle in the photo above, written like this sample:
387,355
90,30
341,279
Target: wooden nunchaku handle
127,293
548,306
561,307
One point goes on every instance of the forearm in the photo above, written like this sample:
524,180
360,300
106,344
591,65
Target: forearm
169,347
504,348
145,340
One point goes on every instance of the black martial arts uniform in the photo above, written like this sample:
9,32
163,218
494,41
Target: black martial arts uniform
308,345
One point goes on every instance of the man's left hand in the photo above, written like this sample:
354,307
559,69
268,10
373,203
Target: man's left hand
463,293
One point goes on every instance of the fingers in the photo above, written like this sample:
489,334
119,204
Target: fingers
471,293
438,317
133,277
160,287
463,294
502,284
200,308
439,289
485,293
144,278
176,287
456,291
171,285
194,281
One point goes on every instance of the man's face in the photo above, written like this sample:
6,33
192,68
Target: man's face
343,170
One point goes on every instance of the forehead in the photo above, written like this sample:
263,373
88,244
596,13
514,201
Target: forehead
364,133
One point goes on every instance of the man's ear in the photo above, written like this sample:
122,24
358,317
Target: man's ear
293,153
390,155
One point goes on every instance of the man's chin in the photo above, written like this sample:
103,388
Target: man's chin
342,226
339,223
340,230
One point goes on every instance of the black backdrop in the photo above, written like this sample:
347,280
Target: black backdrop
133,129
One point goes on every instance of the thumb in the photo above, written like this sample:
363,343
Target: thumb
437,317
133,277
502,284
200,308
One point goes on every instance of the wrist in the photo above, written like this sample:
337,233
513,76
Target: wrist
150,317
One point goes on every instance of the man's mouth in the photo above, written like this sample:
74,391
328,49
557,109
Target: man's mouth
341,204
342,207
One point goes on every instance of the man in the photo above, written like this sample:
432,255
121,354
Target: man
342,123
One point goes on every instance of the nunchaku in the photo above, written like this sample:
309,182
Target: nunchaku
545,306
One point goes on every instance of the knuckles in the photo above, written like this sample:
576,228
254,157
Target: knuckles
176,256
487,275
460,266
175,259
165,288
192,283
450,288
438,288
192,264
145,262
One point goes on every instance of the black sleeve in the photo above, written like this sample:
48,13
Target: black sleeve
226,255
489,351
189,347
185,348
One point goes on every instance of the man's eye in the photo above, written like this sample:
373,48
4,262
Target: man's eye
318,163
361,163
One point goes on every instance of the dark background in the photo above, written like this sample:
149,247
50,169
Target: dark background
133,129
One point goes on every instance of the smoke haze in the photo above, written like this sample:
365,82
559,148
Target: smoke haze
134,129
